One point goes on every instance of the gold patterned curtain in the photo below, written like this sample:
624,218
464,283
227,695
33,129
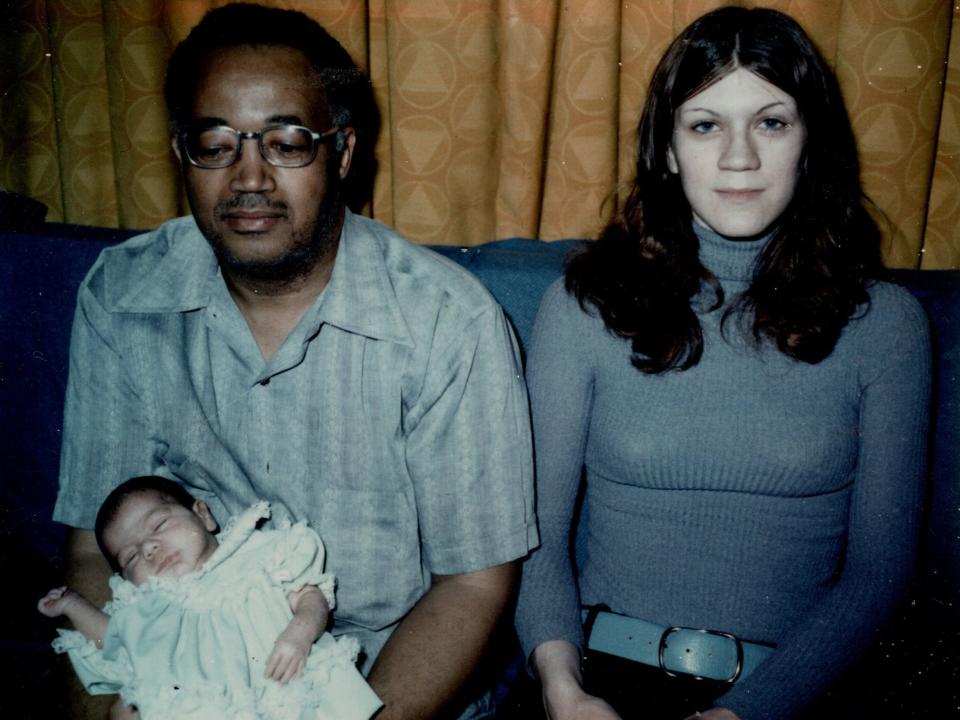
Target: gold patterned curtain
500,117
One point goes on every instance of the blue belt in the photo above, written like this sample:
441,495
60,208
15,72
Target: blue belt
678,651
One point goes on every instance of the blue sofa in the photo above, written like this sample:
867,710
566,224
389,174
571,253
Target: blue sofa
39,275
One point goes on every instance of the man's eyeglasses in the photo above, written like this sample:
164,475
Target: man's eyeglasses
286,146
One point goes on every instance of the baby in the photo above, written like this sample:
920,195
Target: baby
204,629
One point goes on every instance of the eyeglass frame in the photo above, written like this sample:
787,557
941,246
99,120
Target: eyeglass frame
257,135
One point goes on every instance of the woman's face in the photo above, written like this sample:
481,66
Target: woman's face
736,146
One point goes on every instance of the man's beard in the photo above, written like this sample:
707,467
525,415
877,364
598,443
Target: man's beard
307,248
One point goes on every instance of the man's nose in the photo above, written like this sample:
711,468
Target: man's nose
251,173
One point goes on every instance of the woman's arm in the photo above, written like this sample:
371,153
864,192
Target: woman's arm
883,528
560,382
83,615
310,615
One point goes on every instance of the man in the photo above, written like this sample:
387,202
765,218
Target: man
276,346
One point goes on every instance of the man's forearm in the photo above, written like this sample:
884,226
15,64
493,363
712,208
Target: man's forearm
88,573
435,649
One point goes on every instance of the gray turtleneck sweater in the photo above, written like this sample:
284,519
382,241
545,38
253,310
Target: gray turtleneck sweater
752,493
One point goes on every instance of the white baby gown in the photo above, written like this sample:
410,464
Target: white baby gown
195,647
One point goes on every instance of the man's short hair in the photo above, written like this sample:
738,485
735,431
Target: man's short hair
346,88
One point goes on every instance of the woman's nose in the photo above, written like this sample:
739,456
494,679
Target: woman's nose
739,152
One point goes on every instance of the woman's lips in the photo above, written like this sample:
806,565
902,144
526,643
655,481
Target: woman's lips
739,196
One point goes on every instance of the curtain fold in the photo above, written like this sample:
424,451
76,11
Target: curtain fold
500,117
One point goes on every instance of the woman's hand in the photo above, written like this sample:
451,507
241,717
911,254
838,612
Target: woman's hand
572,703
558,665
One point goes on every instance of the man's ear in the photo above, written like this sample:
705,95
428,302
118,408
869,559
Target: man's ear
176,149
201,510
346,155
672,160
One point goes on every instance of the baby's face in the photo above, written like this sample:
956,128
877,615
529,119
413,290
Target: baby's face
153,535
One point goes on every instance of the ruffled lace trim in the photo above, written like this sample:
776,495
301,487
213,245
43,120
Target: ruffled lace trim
267,701
298,561
73,640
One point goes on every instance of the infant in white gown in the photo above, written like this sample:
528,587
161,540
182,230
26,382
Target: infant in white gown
198,645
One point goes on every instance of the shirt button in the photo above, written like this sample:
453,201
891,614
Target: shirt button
264,383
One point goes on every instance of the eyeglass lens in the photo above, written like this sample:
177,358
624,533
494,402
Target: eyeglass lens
283,146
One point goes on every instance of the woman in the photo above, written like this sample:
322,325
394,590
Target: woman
745,406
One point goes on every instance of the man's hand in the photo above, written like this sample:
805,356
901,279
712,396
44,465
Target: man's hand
441,642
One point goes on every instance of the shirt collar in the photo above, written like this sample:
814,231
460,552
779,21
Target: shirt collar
168,270
174,269
359,297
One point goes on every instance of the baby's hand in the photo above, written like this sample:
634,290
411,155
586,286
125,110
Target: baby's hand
289,656
54,603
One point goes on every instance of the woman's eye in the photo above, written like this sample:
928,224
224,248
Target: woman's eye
704,127
772,124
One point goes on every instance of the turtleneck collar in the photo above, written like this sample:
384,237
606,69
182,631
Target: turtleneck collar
728,259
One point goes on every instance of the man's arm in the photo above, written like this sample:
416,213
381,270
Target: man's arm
440,643
88,573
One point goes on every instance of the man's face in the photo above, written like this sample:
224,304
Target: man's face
265,222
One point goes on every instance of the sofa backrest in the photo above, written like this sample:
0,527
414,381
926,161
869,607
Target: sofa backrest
39,277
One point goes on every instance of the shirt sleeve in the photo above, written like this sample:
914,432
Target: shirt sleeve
105,437
468,450
560,380
883,529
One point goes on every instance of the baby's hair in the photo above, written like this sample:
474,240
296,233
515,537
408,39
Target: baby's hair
168,489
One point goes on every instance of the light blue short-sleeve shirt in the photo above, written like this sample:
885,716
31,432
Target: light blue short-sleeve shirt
393,418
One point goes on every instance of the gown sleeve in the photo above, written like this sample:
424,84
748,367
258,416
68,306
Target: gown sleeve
298,560
99,674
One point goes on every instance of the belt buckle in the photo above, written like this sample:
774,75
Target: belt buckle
718,633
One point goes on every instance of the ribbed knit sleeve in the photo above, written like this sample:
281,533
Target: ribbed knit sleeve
559,380
892,343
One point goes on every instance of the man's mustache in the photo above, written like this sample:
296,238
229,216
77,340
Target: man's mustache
250,201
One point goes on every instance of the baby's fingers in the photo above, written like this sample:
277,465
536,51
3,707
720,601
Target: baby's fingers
274,662
45,604
284,665
294,669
